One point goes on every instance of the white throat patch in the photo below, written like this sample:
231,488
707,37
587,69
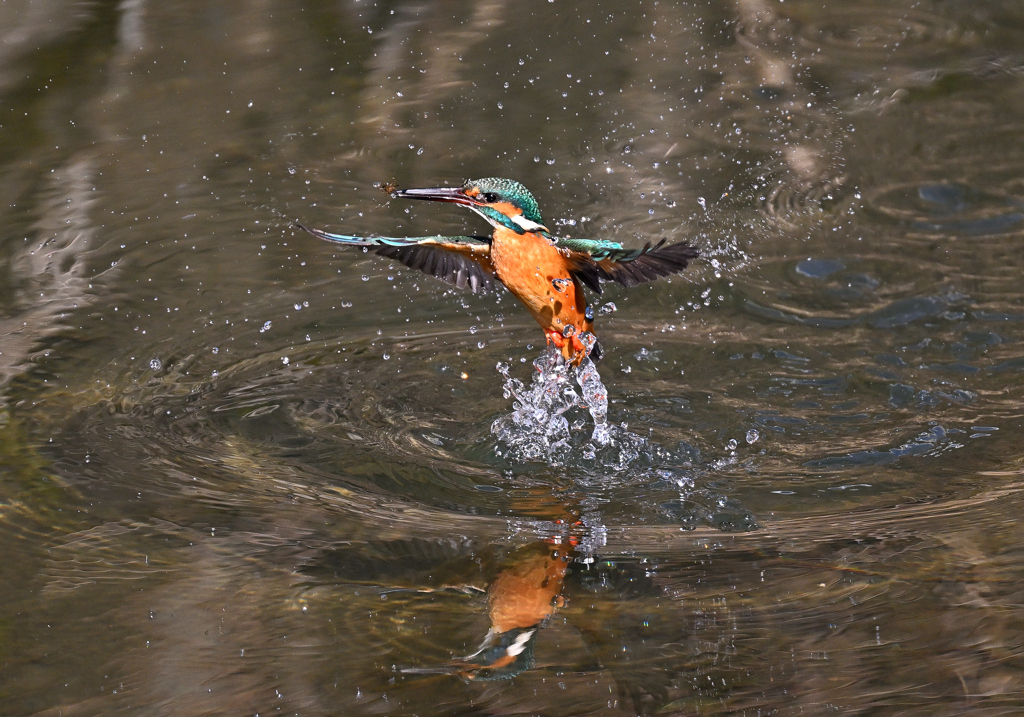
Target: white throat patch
519,220
527,224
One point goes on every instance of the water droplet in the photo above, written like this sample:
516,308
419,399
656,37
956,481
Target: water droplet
608,308
473,329
291,170
285,360
215,349
589,313
298,306
731,445
481,344
387,356
752,436
156,364
265,327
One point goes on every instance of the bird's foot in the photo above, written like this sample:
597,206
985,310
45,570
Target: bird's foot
555,338
572,348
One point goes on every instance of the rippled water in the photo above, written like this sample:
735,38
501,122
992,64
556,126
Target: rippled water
243,471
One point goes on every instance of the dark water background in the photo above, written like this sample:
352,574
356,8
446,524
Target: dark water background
243,471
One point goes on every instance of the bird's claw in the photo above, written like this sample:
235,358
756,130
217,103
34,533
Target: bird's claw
572,348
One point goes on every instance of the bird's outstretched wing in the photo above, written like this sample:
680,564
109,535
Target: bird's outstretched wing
461,261
594,260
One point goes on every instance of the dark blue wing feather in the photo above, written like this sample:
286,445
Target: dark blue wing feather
593,261
461,260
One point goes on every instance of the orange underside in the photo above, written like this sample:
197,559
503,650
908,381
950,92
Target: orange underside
537,273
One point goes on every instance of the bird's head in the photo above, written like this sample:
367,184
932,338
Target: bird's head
502,202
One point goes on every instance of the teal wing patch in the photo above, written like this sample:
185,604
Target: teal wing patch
461,261
594,248
593,261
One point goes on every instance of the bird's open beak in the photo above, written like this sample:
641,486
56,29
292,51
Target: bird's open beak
455,195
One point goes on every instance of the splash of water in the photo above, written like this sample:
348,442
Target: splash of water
538,429
595,395
542,427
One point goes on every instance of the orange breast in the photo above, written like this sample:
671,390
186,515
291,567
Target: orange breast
536,272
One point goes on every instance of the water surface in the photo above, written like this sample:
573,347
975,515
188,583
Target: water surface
243,471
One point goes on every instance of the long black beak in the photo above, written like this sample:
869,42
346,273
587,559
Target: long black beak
455,195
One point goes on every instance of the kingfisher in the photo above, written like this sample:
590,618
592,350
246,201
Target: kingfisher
546,273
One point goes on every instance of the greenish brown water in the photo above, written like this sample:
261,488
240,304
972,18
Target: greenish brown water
243,471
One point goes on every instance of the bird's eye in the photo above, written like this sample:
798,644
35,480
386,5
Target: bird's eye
490,197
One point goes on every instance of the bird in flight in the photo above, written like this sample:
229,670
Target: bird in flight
546,273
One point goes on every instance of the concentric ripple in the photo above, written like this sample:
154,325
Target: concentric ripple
950,208
867,32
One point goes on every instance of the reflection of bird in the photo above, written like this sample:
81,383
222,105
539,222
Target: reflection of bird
545,272
521,597
524,594
629,625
